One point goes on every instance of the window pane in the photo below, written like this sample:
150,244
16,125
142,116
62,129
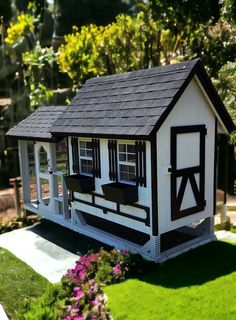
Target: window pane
82,144
122,157
131,157
122,147
82,152
124,167
89,153
86,166
124,176
127,172
130,148
89,145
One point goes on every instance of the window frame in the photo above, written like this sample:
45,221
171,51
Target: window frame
81,157
127,163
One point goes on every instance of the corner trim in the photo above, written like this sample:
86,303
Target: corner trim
154,187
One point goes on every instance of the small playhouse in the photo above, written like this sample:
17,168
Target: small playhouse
132,161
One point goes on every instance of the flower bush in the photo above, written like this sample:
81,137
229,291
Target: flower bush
17,223
84,282
24,24
79,295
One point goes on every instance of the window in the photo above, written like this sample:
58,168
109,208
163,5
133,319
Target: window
127,162
86,157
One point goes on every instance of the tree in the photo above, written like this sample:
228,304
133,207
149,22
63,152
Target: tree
79,12
215,44
226,85
229,10
124,45
5,9
38,65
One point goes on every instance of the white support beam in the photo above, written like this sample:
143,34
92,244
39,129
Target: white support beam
24,168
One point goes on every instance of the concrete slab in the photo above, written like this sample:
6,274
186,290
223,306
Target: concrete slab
48,248
3,315
45,257
225,235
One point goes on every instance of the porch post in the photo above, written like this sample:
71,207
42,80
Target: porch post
53,168
24,169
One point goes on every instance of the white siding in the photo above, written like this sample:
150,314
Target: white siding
144,193
191,109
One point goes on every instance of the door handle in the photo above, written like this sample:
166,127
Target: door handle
167,170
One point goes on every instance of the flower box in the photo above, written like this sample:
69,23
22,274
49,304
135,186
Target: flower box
120,193
80,183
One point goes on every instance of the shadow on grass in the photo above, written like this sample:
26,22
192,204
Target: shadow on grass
196,267
66,238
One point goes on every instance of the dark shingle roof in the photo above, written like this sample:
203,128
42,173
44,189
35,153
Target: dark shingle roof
132,104
37,125
128,104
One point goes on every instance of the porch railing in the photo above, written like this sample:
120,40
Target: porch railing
60,194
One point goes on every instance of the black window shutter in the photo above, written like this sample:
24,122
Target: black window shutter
140,151
112,152
75,154
96,158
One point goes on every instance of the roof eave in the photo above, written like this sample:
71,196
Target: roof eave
210,90
102,136
52,139
215,99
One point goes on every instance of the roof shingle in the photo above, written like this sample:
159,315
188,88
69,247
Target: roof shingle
132,104
123,104
37,126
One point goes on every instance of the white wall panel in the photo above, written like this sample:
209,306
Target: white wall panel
191,109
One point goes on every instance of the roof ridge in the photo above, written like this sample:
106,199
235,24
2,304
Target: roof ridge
134,86
96,82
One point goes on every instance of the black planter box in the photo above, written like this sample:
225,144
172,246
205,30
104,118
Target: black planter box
120,192
80,183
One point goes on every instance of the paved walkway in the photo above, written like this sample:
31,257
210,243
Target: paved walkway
48,248
225,235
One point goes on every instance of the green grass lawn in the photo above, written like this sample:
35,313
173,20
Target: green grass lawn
200,284
18,282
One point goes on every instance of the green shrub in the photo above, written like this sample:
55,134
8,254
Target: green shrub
47,307
17,223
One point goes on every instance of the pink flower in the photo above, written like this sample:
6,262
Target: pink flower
70,272
85,261
69,308
67,318
116,269
82,275
74,311
79,267
93,303
124,252
93,257
78,318
78,293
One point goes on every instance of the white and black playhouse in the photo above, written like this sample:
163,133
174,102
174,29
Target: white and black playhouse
131,162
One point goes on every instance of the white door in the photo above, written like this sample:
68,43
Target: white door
187,170
43,159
